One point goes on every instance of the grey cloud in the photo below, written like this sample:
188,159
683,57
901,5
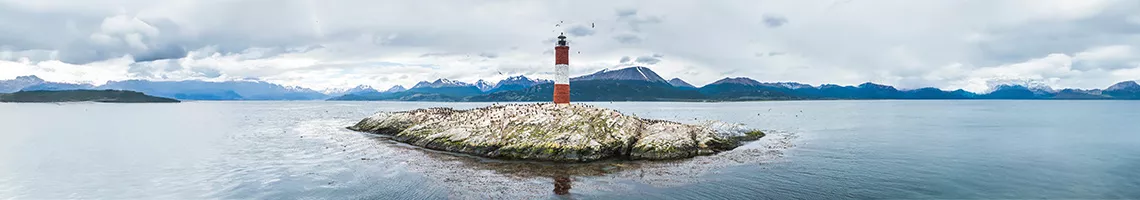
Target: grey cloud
628,38
648,59
436,54
624,59
29,29
580,30
154,69
140,70
773,21
378,30
1032,40
208,72
1112,64
635,20
32,55
488,55
167,52
79,36
83,38
624,13
254,53
303,49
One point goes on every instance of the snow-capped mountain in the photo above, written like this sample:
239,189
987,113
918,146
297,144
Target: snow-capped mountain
484,85
1036,89
1124,90
354,90
789,85
1036,86
34,83
677,82
441,83
750,82
446,87
631,73
54,86
395,89
737,80
1014,91
207,90
1124,86
517,83
20,82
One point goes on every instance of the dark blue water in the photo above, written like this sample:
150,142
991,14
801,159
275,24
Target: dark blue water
815,150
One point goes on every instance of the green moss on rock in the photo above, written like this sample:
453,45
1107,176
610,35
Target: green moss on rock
549,132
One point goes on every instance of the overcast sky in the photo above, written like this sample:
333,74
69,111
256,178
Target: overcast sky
947,44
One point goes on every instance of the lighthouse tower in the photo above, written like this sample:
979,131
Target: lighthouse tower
562,71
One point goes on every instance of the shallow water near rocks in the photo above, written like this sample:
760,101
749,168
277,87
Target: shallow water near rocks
814,150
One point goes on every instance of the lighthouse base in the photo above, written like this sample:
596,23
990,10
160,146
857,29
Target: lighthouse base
562,93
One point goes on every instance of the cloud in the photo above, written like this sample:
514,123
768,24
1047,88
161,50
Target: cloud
773,21
1107,57
624,59
634,20
652,59
941,43
161,53
627,39
626,13
580,30
1054,71
488,55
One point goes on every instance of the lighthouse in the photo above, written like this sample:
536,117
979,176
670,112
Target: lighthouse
561,71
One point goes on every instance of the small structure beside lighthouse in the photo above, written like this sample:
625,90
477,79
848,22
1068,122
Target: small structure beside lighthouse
562,71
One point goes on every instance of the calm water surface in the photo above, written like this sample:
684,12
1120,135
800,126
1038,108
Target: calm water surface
815,150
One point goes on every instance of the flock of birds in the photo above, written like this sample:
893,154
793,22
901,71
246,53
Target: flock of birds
559,24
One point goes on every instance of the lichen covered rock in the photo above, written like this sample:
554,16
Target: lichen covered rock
550,132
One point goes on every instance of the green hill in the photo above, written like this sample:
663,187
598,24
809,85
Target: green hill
107,96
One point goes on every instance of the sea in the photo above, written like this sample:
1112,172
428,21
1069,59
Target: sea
917,149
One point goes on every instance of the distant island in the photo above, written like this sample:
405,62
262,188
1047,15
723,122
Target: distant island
627,84
106,96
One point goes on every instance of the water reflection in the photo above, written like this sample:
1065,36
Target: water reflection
562,185
476,177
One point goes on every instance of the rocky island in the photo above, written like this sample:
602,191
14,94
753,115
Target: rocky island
553,132
105,96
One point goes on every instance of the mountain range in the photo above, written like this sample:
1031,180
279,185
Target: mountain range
628,84
184,90
643,84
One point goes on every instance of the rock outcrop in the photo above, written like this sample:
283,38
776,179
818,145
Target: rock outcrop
549,132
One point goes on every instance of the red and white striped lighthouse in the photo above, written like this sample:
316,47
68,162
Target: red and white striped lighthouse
562,72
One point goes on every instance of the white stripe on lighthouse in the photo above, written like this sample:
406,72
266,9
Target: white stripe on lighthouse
561,74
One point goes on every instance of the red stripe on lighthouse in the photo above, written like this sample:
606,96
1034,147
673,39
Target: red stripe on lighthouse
562,73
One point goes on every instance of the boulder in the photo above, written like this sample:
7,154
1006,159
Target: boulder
551,132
